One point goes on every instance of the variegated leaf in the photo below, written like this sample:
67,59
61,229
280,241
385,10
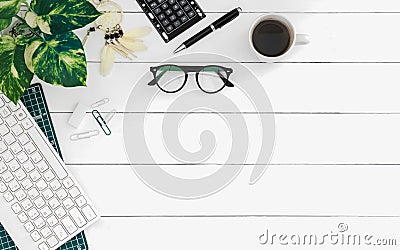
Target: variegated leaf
4,23
14,75
57,59
56,17
9,8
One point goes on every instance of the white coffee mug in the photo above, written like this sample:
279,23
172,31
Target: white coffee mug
296,39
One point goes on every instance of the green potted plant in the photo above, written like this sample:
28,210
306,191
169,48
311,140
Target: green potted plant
41,43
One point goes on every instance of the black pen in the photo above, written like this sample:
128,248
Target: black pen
227,18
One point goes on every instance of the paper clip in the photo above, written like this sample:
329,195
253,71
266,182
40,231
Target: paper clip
100,103
110,116
100,120
84,135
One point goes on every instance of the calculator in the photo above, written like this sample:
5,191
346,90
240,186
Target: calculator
172,17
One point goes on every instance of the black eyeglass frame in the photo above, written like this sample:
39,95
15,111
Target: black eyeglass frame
193,69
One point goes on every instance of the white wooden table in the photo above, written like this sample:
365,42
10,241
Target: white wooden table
337,118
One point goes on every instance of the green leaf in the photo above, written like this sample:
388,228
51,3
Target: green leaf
9,8
60,16
58,59
4,23
14,75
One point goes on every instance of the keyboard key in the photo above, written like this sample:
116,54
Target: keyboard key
30,148
35,176
170,28
179,12
33,193
16,208
29,226
27,204
62,194
42,166
68,183
77,217
55,185
43,246
20,175
52,220
9,139
81,201
68,203
14,185
35,236
183,2
172,18
20,195
22,217
177,23
191,14
60,212
28,166
47,194
33,213
165,22
175,7
27,184
49,175
4,130
168,12
7,156
39,222
161,17
3,167
5,112
8,196
23,139
187,8
13,165
22,157
74,192
164,6
39,202
184,19
46,212
60,232
7,176
69,225
88,213
11,121
54,203
52,241
45,232
20,114
26,124
3,147
3,187
157,11
36,157
17,130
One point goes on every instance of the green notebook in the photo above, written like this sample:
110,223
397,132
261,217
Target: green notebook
34,101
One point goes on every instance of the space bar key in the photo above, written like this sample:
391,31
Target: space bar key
48,152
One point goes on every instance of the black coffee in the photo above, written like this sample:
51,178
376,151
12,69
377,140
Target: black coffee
271,38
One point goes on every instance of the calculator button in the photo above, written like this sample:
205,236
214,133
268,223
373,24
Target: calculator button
160,1
153,5
191,14
170,28
157,11
184,19
172,18
161,17
171,1
175,7
165,22
168,12
187,8
164,6
177,23
179,12
183,2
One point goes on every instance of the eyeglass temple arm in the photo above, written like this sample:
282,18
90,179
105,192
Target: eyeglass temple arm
156,78
226,80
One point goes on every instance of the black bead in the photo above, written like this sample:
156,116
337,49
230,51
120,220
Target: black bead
107,37
92,29
112,36
116,35
121,32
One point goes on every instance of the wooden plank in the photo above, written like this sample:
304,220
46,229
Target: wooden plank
318,139
284,190
290,87
288,5
349,40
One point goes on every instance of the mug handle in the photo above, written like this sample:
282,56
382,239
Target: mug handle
302,39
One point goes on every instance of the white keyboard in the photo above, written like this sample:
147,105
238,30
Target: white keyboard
41,204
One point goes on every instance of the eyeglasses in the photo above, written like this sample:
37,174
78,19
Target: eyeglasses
211,79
